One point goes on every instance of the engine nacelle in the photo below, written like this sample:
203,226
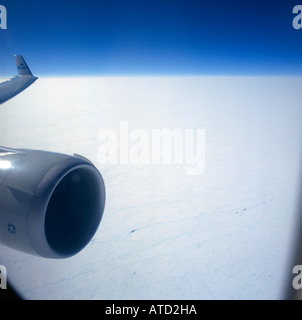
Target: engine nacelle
51,204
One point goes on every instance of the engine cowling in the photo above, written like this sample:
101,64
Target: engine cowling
51,204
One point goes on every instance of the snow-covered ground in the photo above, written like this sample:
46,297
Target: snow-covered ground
224,234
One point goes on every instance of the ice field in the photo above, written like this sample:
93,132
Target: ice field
227,233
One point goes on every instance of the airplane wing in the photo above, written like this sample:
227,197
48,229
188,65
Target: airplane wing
14,86
22,67
51,204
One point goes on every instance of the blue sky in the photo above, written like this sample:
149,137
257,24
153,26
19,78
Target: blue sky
129,37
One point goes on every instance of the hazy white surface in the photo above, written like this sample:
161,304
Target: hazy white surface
226,234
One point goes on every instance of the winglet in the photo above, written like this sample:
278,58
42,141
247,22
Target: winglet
22,67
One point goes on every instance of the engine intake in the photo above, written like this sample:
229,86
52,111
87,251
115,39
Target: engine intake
51,204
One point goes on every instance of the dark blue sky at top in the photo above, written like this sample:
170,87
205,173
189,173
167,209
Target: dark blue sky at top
121,37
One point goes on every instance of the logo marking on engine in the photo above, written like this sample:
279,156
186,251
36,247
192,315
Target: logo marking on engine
11,228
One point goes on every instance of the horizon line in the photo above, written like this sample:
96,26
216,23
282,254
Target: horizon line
136,75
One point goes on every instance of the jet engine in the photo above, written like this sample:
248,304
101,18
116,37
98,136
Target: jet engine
51,204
